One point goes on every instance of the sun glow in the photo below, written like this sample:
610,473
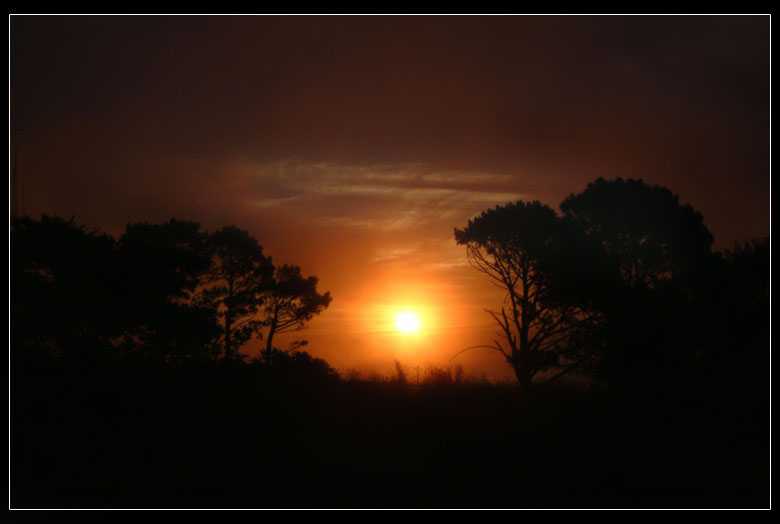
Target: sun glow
407,322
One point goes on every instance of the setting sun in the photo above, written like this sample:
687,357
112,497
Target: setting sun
407,322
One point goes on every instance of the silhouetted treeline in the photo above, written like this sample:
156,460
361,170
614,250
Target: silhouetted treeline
170,292
625,288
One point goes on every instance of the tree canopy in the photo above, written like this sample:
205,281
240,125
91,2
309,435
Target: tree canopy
63,283
235,284
160,266
291,301
648,235
520,247
617,286
169,291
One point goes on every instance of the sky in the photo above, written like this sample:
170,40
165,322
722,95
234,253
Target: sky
353,146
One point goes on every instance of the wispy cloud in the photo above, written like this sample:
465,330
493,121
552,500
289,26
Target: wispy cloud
385,197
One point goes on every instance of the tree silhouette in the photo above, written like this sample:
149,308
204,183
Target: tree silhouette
655,249
63,287
167,259
520,247
291,301
649,236
235,285
734,296
161,265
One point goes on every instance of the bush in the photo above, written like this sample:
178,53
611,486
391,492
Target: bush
295,365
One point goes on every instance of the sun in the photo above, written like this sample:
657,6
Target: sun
407,322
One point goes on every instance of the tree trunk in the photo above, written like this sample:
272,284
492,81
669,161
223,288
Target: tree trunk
228,348
523,377
228,322
269,341
522,363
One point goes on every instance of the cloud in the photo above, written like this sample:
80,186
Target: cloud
381,197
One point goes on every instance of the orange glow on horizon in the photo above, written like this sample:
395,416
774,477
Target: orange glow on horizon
361,329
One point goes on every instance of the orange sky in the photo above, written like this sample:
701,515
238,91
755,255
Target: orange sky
381,240
353,146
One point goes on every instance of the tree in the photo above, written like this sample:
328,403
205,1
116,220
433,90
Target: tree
656,250
161,265
63,282
735,297
235,286
521,248
164,262
649,236
291,301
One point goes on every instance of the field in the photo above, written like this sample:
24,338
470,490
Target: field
215,436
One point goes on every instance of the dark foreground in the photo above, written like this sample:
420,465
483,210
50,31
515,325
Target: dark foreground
227,437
